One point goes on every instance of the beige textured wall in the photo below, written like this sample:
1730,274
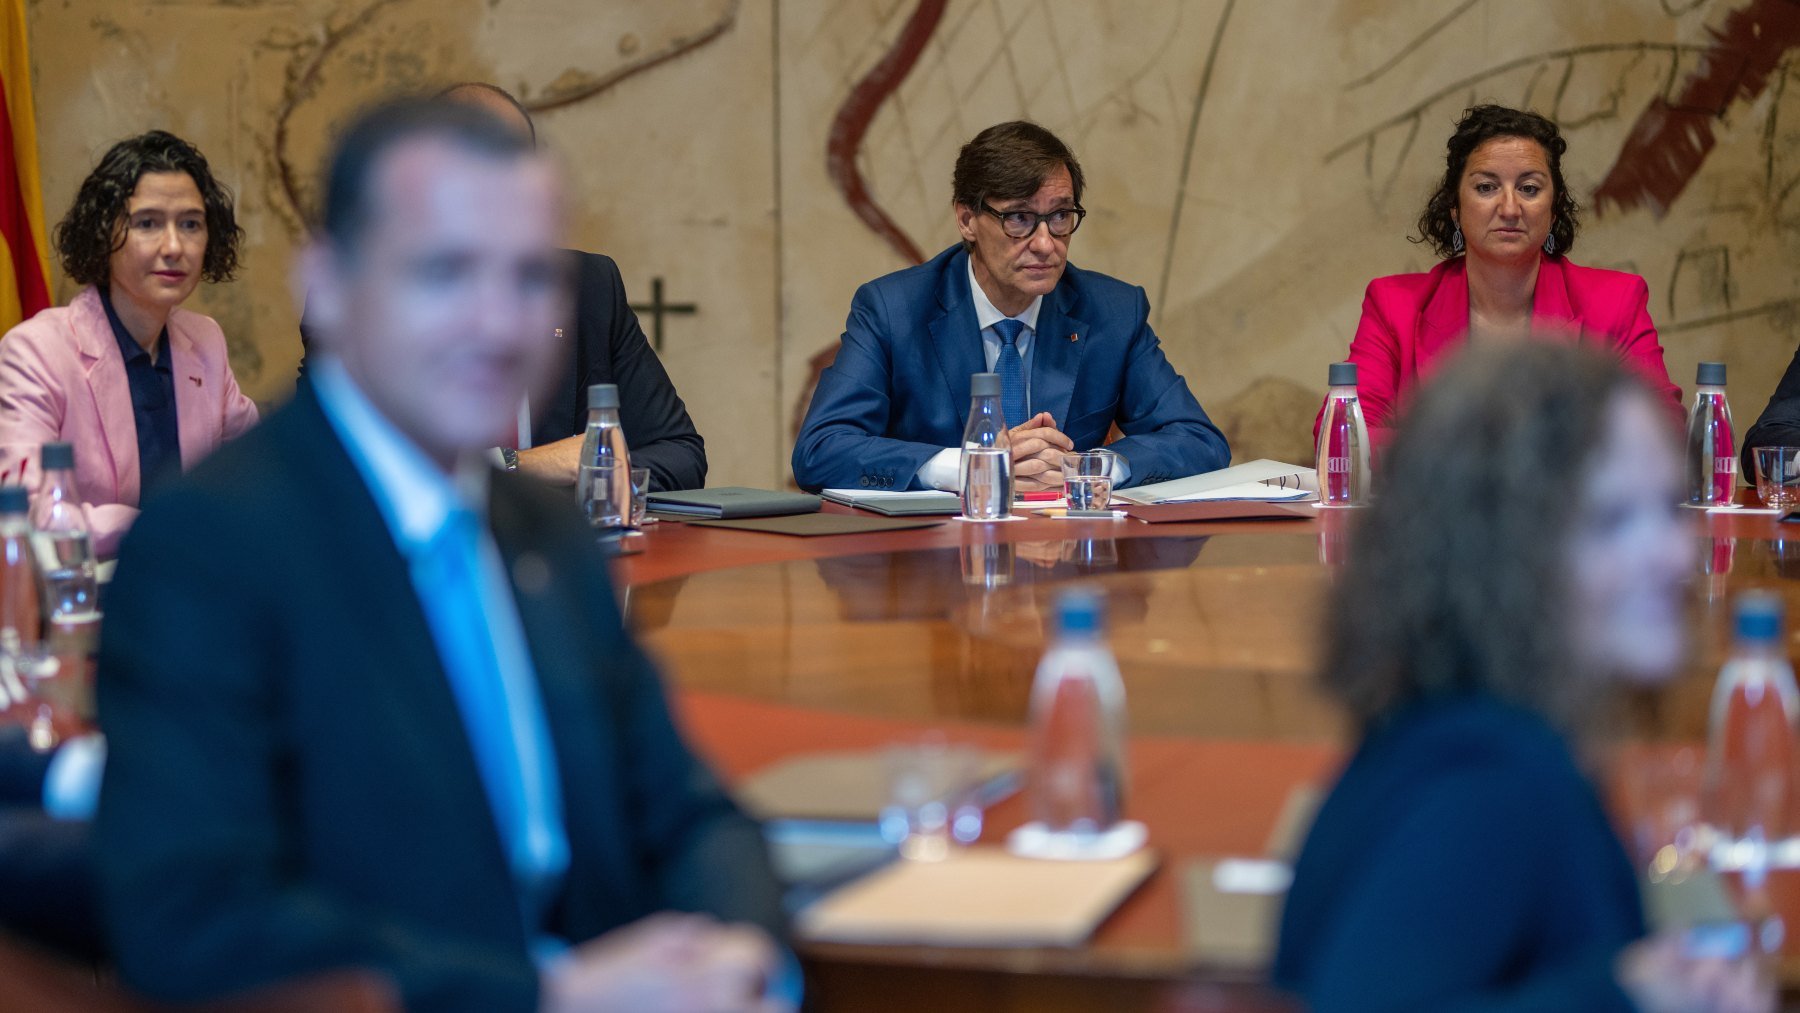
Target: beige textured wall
1251,163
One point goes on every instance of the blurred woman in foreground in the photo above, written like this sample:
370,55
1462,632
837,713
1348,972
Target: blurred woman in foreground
1524,557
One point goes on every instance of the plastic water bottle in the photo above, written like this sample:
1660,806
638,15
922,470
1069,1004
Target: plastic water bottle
18,574
1748,796
60,542
986,473
1711,447
1077,725
1343,458
604,481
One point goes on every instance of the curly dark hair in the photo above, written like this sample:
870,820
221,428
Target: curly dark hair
92,231
1479,125
1456,578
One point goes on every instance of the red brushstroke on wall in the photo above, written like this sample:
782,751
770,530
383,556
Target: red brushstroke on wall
1672,137
847,131
858,111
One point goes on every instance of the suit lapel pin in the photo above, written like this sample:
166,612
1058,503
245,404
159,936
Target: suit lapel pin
1074,337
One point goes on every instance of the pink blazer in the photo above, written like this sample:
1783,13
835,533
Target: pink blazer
1412,322
62,378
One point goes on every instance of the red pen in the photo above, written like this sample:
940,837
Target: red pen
1041,496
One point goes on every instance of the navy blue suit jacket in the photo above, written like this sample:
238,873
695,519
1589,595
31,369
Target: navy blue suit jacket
899,390
1463,862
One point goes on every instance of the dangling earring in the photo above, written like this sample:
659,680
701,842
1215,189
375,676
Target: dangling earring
1456,242
1550,245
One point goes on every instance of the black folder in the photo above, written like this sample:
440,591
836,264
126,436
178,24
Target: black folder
731,502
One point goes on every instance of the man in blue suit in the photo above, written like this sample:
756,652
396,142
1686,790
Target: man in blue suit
1073,348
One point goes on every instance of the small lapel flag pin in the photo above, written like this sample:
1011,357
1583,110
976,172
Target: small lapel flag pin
1074,337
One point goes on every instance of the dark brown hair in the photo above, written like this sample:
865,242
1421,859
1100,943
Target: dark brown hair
457,92
1456,577
92,231
1009,161
1480,124
348,206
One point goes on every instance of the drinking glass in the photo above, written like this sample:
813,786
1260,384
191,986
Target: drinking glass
1088,479
987,483
1778,476
932,797
640,497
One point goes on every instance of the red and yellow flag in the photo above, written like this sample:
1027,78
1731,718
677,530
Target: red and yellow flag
24,255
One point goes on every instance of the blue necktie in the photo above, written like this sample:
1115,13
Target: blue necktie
501,709
1012,371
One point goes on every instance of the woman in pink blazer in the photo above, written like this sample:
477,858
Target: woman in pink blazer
1504,221
141,388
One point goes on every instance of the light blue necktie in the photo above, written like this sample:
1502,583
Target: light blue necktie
1012,371
501,711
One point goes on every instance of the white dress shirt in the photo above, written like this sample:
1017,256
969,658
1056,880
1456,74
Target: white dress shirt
944,469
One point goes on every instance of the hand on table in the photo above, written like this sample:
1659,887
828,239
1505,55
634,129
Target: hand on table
666,963
1037,452
1660,976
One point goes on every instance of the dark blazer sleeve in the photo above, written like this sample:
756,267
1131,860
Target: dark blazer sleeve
841,443
1432,921
1779,423
22,769
199,875
692,848
1167,434
657,427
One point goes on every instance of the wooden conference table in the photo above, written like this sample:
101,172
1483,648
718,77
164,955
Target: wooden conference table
777,646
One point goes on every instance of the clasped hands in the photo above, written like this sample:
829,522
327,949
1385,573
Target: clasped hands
1037,452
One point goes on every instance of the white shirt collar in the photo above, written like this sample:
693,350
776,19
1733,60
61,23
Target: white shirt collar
987,314
415,496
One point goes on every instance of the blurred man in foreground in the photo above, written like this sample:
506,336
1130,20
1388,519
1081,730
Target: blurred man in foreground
369,702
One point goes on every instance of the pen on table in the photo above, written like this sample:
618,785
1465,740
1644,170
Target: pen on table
1041,495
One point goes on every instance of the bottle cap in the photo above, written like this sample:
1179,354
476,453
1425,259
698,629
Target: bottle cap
57,456
603,395
1342,374
1078,611
14,499
984,385
1710,374
1758,616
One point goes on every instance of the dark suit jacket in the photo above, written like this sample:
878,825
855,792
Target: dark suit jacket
46,884
898,391
289,784
608,346
1779,423
1462,862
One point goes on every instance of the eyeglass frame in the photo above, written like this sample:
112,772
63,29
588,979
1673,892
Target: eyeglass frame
1043,219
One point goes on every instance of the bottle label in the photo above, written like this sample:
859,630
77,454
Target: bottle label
1337,466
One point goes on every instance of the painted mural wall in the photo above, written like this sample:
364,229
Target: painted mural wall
1251,163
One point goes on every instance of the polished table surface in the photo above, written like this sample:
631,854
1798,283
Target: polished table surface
779,645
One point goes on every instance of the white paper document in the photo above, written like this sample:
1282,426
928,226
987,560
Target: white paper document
1264,480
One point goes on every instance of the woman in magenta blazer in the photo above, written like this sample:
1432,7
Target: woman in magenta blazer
1505,222
141,388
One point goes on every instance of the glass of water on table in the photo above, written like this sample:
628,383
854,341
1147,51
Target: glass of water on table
1088,479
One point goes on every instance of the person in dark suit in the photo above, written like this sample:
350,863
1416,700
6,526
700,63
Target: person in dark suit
1526,555
1074,348
389,717
607,346
1779,423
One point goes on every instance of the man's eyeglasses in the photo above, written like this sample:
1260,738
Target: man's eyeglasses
1018,224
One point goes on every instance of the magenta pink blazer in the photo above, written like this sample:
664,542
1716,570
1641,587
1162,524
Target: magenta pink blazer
62,378
1411,323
